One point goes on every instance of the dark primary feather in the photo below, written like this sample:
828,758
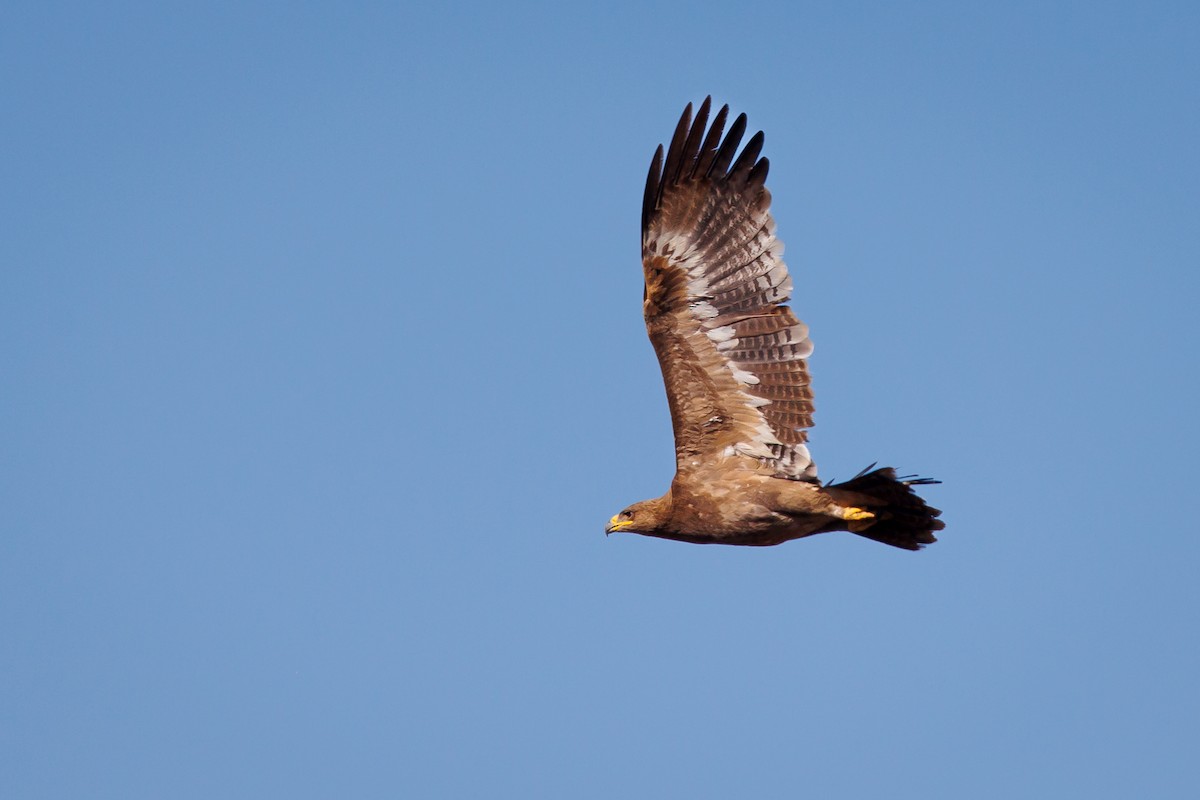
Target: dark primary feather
749,155
708,151
675,151
692,144
725,153
653,184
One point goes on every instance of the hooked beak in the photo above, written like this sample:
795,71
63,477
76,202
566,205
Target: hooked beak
615,524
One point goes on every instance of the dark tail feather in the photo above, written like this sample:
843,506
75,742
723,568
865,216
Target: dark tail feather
901,517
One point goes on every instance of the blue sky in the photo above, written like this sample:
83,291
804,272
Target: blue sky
322,367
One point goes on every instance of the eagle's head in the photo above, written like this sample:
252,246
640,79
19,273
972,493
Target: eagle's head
647,516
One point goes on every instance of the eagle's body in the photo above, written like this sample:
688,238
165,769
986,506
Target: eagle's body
721,507
732,358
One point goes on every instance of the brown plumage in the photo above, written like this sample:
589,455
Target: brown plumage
732,356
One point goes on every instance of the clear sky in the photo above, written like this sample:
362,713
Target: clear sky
322,368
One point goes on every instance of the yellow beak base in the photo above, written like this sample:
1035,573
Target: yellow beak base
616,523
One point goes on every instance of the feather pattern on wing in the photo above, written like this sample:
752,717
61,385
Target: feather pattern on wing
732,354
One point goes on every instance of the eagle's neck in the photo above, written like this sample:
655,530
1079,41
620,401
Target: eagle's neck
656,513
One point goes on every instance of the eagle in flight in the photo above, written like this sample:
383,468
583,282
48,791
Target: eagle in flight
733,361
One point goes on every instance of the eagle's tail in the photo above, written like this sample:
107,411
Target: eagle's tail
900,518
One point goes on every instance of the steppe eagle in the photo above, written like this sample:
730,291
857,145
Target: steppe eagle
733,361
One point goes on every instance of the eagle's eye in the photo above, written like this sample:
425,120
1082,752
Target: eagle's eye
626,514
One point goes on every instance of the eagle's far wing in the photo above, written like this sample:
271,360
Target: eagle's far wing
732,354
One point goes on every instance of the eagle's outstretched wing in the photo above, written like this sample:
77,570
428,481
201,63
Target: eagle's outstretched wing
732,354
